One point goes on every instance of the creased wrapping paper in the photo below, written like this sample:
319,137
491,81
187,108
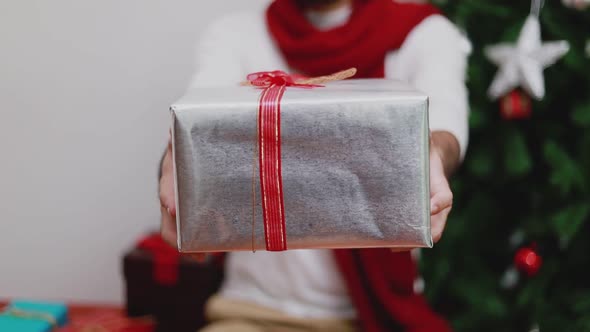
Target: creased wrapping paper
354,161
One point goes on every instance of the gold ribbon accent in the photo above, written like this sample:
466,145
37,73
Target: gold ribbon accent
33,315
338,76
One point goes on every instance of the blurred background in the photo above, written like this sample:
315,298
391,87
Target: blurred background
84,93
514,254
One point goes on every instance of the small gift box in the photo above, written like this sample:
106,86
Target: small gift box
167,286
284,164
24,316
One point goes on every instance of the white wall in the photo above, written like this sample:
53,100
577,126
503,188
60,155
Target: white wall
84,94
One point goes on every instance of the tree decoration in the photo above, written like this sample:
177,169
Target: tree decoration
515,105
522,64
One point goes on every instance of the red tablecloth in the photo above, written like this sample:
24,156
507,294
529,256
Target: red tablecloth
103,318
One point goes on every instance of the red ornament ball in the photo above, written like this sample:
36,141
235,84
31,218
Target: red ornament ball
515,105
528,261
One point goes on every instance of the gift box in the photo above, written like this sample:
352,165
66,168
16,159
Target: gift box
341,165
25,316
170,288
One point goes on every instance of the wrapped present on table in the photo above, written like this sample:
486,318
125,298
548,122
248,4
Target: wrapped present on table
25,316
167,286
288,163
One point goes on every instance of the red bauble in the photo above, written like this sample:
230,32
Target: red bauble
528,261
515,105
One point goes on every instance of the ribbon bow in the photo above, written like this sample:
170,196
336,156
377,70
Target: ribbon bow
268,134
265,79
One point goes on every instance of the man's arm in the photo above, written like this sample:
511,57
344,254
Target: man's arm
434,60
446,146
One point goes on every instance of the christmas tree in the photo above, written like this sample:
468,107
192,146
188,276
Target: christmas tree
515,254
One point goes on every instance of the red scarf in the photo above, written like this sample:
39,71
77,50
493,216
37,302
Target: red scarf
380,282
375,28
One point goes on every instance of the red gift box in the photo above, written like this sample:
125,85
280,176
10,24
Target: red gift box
167,286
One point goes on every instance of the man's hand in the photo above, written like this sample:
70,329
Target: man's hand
441,197
167,201
444,158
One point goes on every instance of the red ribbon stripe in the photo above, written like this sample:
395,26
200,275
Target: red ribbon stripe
269,153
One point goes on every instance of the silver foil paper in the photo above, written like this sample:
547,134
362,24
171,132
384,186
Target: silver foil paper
354,161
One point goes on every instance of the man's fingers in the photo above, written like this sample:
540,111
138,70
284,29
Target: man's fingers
438,222
441,196
167,202
168,227
440,201
167,199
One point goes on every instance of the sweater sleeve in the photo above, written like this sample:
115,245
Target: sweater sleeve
433,58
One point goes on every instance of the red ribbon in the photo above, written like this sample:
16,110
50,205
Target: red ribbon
274,84
166,259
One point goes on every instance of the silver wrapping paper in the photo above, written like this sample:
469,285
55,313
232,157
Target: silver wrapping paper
354,162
